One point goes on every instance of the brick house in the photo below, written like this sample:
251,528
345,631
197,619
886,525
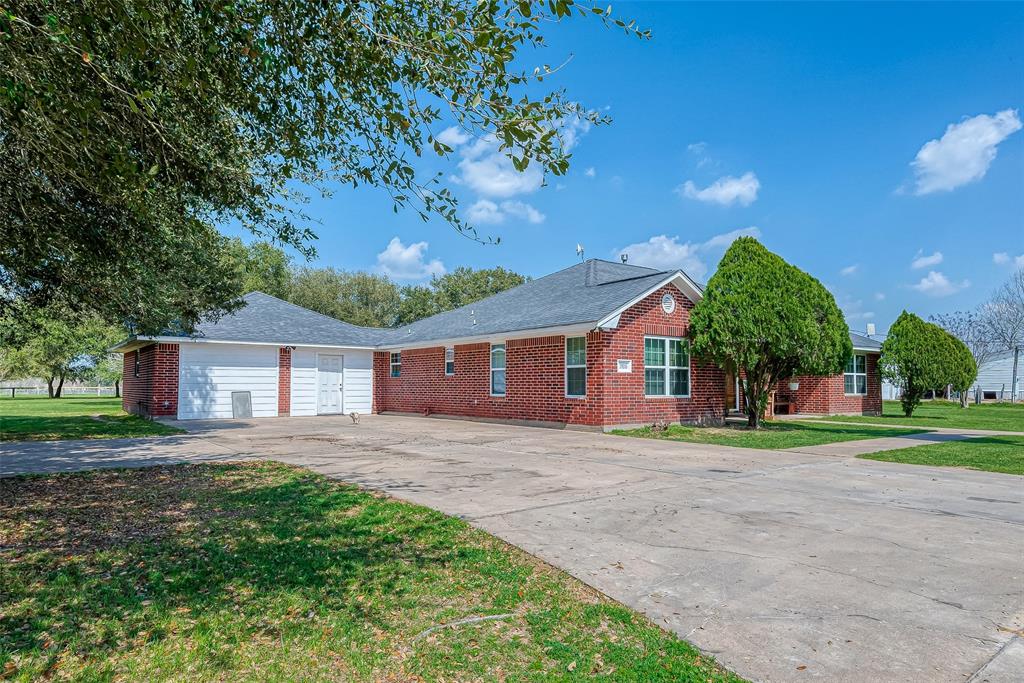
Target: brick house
596,345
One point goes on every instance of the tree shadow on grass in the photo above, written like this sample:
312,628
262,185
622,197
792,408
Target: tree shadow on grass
89,561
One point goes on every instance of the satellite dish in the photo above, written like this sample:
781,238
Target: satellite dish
579,251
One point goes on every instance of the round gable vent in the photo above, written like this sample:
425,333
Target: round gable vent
668,303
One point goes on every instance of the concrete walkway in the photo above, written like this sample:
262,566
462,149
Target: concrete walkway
887,443
783,565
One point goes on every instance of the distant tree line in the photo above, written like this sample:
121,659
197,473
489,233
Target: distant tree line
358,297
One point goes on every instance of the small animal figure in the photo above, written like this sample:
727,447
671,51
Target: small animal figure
355,417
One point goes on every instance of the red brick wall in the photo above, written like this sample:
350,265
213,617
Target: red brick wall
284,382
155,391
624,400
535,377
826,395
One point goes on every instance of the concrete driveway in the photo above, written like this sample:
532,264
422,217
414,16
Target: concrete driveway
783,565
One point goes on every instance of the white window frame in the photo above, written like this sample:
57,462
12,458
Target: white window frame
395,365
667,368
565,356
490,377
449,350
855,375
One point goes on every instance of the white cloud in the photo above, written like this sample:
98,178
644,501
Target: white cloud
937,284
922,260
489,172
964,152
486,211
668,253
1001,258
453,137
590,172
879,296
850,270
407,262
725,191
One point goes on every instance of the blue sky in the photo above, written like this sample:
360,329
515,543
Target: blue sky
875,146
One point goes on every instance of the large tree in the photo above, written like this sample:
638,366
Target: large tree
918,356
261,267
130,128
359,298
971,329
767,320
452,290
1004,313
55,344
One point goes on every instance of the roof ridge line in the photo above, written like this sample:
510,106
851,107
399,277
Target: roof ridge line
322,315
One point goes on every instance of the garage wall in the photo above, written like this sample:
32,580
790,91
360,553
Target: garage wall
357,380
208,373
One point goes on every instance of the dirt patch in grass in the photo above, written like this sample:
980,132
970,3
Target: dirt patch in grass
257,571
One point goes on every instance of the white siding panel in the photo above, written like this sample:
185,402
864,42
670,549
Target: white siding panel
357,380
208,373
304,381
357,388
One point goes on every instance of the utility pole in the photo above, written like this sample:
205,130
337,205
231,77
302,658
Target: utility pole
1013,378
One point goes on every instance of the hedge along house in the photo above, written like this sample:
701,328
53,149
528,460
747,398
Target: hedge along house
598,345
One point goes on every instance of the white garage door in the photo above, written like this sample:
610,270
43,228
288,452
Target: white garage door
208,373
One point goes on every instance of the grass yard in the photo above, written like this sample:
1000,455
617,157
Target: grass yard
39,418
991,453
774,434
268,572
998,416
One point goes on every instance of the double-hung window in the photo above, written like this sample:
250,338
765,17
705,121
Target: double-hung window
666,367
449,360
575,366
497,369
855,377
396,364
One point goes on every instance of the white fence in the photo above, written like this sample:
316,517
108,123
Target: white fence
68,390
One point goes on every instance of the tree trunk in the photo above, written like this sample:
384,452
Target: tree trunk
60,387
49,387
117,388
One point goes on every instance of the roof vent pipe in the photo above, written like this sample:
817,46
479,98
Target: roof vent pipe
624,256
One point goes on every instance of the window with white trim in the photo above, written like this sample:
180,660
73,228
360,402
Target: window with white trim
666,367
396,364
855,376
497,369
449,360
576,366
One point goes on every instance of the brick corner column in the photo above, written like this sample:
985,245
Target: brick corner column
284,382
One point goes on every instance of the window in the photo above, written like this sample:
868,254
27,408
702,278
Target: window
666,367
449,360
575,366
396,364
137,363
497,369
855,377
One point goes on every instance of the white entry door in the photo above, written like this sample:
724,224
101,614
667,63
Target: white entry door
328,378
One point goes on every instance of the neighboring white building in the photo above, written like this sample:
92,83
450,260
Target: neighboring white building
995,378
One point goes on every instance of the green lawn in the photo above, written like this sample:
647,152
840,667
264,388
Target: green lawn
999,416
267,572
774,434
39,417
991,453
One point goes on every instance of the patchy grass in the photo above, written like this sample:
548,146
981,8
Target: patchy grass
268,572
1007,417
773,435
35,418
991,453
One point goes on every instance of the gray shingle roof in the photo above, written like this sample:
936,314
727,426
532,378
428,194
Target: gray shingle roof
266,318
862,342
583,293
